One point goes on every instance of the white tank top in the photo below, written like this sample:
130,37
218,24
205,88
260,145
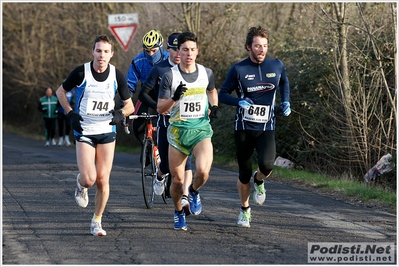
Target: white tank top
96,102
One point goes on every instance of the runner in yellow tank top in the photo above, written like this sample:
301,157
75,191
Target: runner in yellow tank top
185,92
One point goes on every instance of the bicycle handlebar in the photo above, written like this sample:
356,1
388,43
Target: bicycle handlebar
143,115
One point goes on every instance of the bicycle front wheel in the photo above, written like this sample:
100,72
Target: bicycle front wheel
148,172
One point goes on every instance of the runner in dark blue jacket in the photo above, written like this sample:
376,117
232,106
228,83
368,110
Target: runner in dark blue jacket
255,81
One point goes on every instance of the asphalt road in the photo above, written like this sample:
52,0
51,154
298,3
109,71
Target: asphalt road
42,224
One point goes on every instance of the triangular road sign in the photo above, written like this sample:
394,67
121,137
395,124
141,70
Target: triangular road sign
124,33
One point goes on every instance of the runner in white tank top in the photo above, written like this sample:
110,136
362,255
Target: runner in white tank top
93,122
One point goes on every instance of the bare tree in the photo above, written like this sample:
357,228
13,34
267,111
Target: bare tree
365,120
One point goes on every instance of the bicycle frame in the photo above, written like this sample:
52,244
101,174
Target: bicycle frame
150,130
149,159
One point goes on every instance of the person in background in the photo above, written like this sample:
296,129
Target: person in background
255,81
94,121
148,95
141,65
186,91
48,106
63,123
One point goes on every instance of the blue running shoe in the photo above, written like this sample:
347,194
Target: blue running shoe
195,203
180,221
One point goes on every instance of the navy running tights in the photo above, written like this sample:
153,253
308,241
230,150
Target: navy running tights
245,143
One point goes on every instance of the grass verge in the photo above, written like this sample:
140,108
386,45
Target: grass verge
353,191
359,193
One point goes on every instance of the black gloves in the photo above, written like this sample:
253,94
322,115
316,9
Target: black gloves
74,120
117,116
215,112
179,91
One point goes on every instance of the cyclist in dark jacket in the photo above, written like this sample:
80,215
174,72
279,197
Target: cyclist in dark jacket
141,65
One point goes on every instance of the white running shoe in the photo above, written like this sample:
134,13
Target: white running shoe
259,194
186,206
159,186
47,143
81,194
53,143
96,228
61,141
67,143
244,218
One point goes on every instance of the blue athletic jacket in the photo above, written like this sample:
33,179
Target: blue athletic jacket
258,82
139,70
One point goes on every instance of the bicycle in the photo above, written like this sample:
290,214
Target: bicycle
149,160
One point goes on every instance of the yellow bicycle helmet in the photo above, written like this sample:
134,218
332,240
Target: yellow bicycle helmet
152,39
